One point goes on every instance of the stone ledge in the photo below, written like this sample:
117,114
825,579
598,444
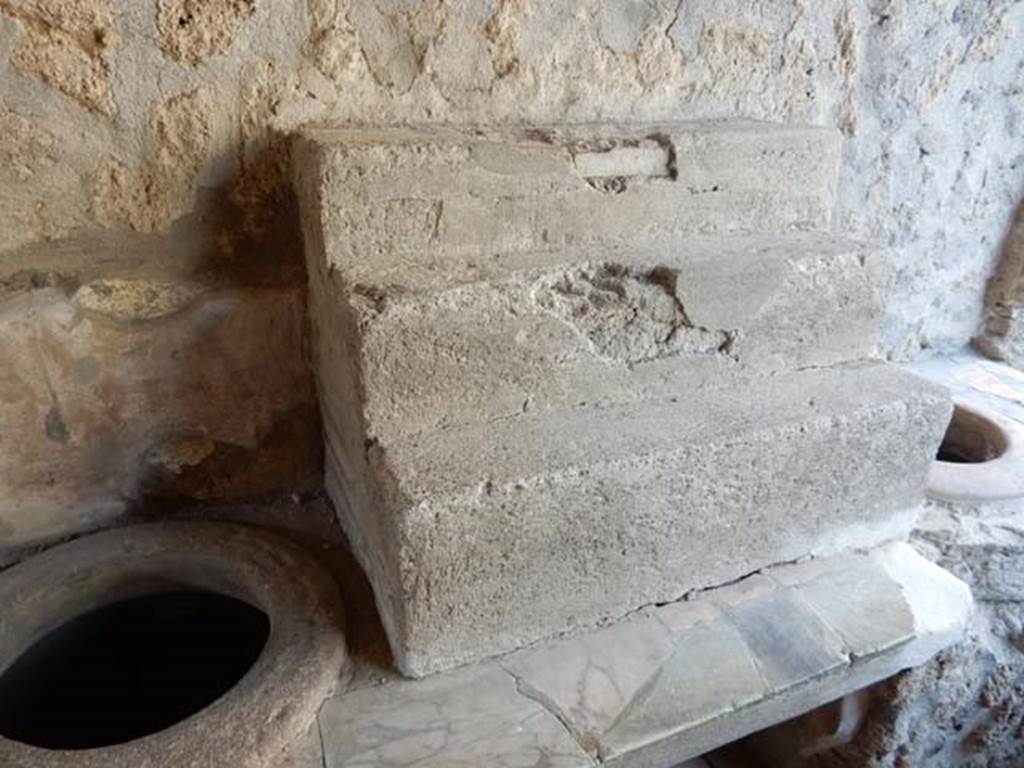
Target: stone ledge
671,682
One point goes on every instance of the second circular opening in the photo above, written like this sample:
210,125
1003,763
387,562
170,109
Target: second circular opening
971,439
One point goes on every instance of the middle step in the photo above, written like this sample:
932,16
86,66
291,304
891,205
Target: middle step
493,337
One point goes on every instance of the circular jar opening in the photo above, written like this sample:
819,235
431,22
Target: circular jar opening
971,439
129,669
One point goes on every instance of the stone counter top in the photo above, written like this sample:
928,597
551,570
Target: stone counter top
668,683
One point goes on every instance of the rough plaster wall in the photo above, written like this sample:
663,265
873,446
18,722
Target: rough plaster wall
119,113
145,139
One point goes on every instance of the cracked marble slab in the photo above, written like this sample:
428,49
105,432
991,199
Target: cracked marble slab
871,617
789,643
590,681
464,719
669,683
711,673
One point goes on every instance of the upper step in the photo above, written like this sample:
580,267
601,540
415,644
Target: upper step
415,193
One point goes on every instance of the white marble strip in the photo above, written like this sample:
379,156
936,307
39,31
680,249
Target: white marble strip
668,683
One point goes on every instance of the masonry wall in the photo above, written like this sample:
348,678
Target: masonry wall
144,209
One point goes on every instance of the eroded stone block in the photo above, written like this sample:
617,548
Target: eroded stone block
567,357
655,499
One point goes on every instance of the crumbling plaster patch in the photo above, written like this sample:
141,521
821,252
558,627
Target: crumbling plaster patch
193,30
162,189
25,147
502,34
65,43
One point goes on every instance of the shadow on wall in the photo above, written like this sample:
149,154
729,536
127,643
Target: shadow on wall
157,368
1003,335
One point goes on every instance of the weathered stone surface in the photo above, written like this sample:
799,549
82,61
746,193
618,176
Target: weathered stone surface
589,681
409,194
464,719
562,359
657,498
472,338
926,93
135,385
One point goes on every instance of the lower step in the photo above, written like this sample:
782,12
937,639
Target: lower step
671,682
494,536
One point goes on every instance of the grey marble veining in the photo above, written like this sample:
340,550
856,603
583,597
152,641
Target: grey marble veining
591,680
787,639
669,683
465,719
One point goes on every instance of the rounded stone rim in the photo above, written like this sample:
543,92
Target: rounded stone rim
998,479
271,706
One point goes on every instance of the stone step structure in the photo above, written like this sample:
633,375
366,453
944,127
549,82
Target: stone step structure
566,373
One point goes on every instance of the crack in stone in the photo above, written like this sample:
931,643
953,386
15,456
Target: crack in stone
672,24
320,731
323,747
591,746
527,691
